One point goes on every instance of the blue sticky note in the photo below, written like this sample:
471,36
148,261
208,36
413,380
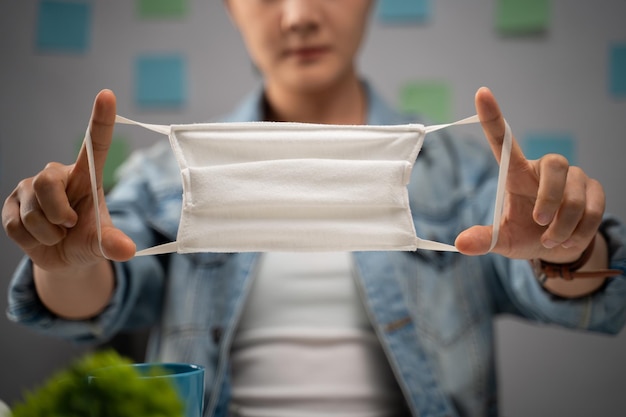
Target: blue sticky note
403,11
537,144
63,26
617,69
160,81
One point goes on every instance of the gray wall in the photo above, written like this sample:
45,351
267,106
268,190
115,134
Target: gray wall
553,81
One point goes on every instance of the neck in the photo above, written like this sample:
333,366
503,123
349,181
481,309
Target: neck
339,104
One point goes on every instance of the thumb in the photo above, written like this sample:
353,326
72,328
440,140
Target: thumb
101,128
116,245
474,241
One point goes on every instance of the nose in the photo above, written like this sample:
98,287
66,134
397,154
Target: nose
301,16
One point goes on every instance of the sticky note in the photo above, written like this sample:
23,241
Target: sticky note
537,144
617,70
522,16
403,11
162,8
160,81
63,26
432,100
118,153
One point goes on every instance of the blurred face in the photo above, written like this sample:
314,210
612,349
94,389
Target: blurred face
302,45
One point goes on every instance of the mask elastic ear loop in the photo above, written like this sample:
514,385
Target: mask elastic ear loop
94,187
92,169
505,157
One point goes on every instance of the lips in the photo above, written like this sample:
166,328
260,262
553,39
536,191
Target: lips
307,53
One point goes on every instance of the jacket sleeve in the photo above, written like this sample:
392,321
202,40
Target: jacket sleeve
603,311
139,283
126,309
513,284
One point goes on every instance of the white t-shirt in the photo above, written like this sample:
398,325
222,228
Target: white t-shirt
305,346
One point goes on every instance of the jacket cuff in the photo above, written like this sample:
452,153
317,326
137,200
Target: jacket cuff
25,307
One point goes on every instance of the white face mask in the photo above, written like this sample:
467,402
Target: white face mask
267,186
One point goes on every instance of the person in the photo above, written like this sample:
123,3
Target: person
361,334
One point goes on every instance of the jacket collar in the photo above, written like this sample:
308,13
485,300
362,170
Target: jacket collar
251,109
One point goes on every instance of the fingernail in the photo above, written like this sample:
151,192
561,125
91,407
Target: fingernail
543,219
69,224
549,244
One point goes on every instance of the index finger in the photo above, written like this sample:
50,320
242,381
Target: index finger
101,128
493,125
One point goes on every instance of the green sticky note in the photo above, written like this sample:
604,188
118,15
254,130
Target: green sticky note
432,100
118,152
162,8
522,16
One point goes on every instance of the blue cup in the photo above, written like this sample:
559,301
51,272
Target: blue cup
187,379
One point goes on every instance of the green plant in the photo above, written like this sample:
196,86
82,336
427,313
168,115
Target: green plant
120,392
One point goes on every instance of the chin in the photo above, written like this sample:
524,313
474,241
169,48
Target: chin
310,87
315,84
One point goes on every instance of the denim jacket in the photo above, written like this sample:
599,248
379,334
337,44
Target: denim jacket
433,312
